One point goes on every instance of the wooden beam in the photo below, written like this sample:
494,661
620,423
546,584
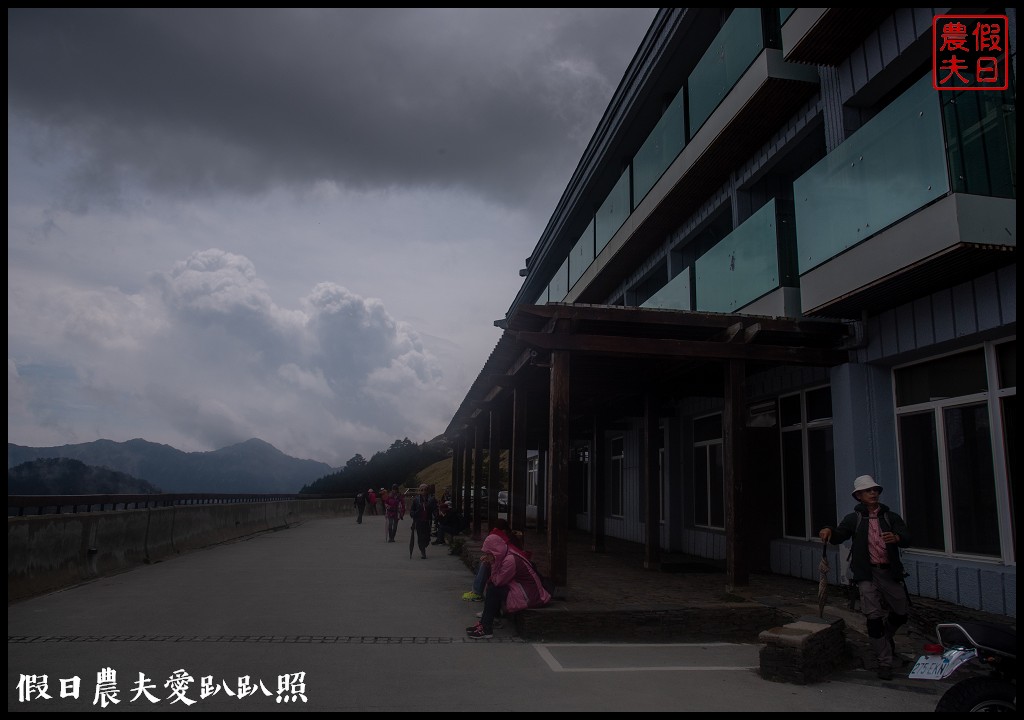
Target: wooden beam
640,347
478,473
517,459
467,471
558,464
730,333
649,447
597,485
823,327
733,424
493,467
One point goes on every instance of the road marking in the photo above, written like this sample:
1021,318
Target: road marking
587,660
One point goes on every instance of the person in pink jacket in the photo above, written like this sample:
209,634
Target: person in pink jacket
513,585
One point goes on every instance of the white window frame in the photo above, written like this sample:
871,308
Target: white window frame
992,398
705,446
804,427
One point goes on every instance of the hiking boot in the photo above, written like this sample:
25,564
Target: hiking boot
884,673
472,596
477,632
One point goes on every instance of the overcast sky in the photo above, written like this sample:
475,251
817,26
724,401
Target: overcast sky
295,225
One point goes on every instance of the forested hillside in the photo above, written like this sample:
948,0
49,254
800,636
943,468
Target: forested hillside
64,476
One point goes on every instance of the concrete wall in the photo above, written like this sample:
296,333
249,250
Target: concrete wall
49,552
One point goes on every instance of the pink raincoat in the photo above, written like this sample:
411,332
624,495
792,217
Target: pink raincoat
512,569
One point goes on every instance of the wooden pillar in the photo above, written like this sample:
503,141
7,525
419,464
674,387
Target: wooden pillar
478,474
467,475
517,462
733,422
542,492
598,482
652,486
558,465
493,466
457,474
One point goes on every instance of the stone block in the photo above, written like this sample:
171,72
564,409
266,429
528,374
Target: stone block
802,652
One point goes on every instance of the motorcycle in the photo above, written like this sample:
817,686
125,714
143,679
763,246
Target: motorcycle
986,652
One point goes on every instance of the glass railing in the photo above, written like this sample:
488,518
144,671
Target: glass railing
981,141
741,267
582,254
660,148
674,296
558,288
889,168
737,45
612,213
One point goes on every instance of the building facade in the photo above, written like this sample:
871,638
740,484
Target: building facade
785,259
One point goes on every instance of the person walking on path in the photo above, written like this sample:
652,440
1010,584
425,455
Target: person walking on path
371,498
394,511
360,505
423,512
875,567
513,585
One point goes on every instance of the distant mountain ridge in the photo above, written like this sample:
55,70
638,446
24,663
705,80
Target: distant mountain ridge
253,466
65,476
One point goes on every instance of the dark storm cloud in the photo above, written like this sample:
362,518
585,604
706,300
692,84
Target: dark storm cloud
195,100
291,224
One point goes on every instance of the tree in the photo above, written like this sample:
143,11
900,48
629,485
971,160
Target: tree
397,465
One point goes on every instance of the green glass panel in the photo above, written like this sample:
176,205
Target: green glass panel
981,137
582,254
674,296
558,288
660,148
613,212
784,14
889,168
737,44
742,267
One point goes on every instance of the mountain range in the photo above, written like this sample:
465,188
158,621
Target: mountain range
253,466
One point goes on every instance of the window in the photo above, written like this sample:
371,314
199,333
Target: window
708,474
956,461
616,469
808,462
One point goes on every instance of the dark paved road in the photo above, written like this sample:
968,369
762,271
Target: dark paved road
329,612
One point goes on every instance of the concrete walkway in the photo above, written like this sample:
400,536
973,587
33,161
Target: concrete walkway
330,612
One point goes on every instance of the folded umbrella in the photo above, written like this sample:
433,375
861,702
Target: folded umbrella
823,579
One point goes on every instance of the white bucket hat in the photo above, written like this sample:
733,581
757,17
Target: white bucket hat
864,482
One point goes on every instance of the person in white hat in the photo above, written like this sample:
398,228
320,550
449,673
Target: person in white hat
875,567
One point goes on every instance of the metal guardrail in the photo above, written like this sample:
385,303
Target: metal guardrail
18,505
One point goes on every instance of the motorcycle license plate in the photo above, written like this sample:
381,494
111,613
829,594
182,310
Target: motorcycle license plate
936,667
